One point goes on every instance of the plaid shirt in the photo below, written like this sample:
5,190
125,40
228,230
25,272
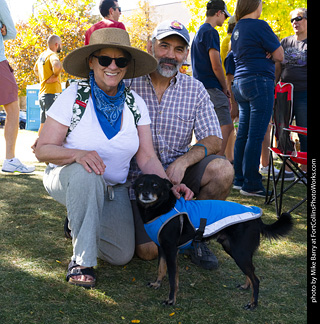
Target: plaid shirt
185,108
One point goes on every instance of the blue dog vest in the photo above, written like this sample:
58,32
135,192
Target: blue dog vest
218,213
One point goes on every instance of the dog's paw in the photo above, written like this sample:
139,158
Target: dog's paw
168,302
243,287
154,285
250,306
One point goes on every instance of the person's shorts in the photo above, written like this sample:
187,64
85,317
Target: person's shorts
192,179
221,106
45,102
8,84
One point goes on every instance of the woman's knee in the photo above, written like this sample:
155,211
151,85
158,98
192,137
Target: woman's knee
116,256
78,176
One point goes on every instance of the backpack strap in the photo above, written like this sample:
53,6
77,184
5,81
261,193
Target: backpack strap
131,103
82,98
80,104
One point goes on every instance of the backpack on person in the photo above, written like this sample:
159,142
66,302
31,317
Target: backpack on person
82,98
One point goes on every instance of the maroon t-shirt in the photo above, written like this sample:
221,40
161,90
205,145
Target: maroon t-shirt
105,23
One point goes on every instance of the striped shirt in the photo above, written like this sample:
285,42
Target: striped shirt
185,108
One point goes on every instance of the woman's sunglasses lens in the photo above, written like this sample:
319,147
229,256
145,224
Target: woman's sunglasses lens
121,62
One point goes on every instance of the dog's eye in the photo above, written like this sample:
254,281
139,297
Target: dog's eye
155,185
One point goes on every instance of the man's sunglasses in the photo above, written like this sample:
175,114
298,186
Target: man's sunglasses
299,18
104,60
115,8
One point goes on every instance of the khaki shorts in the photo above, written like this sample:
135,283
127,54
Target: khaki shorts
221,106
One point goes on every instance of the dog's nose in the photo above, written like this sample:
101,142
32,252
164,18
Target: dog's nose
146,194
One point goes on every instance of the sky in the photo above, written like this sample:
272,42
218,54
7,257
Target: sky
22,9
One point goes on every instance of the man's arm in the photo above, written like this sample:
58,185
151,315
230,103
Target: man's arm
218,70
177,169
56,65
56,69
278,71
35,69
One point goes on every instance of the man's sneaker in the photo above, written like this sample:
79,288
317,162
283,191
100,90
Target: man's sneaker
259,193
288,176
303,178
265,170
203,257
14,165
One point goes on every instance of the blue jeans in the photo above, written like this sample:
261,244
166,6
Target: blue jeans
300,113
255,97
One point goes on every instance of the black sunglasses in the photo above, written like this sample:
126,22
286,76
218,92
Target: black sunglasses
299,18
104,60
115,8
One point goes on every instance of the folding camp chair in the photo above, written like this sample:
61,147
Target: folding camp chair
285,149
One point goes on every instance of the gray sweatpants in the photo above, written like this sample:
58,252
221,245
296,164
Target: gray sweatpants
100,217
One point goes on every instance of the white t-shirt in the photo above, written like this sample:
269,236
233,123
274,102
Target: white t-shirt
117,152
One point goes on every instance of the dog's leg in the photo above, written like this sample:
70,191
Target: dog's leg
162,270
246,285
244,262
173,273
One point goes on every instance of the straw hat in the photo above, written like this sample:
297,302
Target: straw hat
77,62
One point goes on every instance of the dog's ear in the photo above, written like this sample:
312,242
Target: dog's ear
168,184
135,183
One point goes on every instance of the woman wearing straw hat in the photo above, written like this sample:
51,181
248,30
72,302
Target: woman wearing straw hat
88,166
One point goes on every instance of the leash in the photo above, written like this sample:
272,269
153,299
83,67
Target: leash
198,236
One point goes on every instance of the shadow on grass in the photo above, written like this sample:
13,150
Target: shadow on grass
34,255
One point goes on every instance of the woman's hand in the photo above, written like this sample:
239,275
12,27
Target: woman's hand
91,161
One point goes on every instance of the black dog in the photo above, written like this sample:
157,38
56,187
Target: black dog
155,198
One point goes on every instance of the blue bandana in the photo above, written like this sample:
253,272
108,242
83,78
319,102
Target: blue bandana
108,108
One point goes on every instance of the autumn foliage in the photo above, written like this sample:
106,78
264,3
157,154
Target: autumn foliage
69,20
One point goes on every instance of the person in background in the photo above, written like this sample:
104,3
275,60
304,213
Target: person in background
225,48
9,96
96,154
207,68
184,67
256,49
179,106
230,69
234,112
110,11
293,69
48,69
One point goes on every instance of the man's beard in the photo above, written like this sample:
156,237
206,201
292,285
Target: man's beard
168,71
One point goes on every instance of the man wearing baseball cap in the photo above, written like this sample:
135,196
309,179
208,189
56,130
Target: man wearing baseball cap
207,67
179,106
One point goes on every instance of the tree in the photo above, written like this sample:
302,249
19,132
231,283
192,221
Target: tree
140,24
68,19
275,13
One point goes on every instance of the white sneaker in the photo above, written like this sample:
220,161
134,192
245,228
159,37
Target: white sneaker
264,170
14,165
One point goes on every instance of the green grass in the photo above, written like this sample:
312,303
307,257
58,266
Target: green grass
34,256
